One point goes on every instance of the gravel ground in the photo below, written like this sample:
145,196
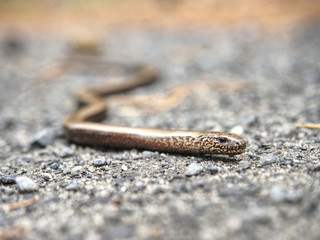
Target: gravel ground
257,84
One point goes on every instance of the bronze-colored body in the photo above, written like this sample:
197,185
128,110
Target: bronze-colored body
79,127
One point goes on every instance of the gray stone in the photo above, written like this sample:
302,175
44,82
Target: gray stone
250,121
262,217
212,169
66,170
245,165
293,197
277,194
313,167
43,138
66,152
193,169
77,170
24,160
238,130
124,168
258,216
72,186
99,161
54,166
149,154
8,179
162,156
47,176
25,184
181,188
267,160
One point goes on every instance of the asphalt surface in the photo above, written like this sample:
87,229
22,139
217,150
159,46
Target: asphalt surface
244,80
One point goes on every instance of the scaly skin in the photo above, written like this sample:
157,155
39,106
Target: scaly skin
79,128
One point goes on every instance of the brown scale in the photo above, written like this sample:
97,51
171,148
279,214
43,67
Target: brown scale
80,128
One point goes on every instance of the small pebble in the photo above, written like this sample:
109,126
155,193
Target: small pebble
245,165
164,165
77,170
162,156
313,167
8,179
287,160
66,152
72,186
267,160
304,148
149,154
250,121
91,169
66,170
317,140
8,191
259,216
43,138
47,176
54,166
266,145
278,194
175,177
124,168
193,169
293,197
159,189
22,160
181,188
25,184
238,130
115,164
99,161
212,169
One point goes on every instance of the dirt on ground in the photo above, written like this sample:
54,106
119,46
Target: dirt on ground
256,80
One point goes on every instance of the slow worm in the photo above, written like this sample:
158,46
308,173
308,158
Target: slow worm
81,127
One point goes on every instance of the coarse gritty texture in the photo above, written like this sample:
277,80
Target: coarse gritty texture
269,192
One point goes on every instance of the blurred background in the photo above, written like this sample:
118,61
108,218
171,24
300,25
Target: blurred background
57,14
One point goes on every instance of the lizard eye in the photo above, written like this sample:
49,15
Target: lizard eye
223,140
